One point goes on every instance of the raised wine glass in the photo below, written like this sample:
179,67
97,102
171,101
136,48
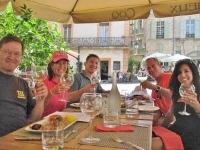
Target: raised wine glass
142,75
68,79
31,85
31,82
91,104
95,79
182,90
37,73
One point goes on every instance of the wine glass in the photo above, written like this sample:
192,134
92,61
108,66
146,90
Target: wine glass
31,85
182,90
68,79
91,104
142,75
38,72
43,72
95,79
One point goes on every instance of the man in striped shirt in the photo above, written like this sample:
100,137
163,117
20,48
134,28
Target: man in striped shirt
82,83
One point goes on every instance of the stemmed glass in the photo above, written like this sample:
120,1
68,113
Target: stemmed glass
95,79
68,79
142,75
31,85
91,104
182,90
37,73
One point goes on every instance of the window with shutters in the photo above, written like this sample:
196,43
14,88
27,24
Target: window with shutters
178,50
190,28
67,32
104,34
160,27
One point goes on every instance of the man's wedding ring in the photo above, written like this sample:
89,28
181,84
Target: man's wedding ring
190,101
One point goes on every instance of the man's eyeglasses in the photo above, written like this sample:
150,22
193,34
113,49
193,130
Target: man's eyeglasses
8,52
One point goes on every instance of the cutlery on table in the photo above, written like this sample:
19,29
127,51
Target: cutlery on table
135,124
74,130
117,139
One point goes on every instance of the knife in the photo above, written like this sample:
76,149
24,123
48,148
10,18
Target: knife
135,124
28,138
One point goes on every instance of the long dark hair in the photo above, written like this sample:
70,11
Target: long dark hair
50,70
174,84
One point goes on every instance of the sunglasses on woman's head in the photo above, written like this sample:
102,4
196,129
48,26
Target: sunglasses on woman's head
184,60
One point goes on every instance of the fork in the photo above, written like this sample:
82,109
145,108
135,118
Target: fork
117,139
74,130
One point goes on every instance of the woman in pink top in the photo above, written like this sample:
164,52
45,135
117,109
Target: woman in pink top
57,66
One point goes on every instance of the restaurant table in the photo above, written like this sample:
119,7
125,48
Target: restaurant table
9,143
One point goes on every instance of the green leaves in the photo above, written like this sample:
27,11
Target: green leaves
40,37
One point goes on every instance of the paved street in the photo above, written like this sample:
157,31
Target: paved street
122,86
126,86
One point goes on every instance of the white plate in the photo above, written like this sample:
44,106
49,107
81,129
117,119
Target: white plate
28,128
76,105
148,108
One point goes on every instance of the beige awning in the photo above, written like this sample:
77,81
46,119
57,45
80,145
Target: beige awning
92,11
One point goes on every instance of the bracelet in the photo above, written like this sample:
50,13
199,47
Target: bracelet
50,91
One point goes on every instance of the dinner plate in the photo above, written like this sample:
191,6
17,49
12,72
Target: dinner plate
76,105
148,108
28,128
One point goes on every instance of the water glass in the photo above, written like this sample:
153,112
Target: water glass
111,118
52,139
131,108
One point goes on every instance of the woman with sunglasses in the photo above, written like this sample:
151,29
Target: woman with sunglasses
186,126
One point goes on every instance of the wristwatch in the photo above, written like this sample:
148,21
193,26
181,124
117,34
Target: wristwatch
158,89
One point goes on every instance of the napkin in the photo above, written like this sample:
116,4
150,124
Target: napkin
171,140
124,128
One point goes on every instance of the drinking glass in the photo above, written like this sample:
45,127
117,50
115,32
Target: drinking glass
91,104
68,79
182,90
95,79
38,72
142,75
44,72
52,139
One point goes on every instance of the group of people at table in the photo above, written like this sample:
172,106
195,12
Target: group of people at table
18,108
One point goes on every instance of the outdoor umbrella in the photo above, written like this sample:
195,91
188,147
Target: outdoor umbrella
72,53
157,55
174,58
93,11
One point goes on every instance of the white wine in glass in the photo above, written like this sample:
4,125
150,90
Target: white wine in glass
31,84
37,73
68,79
95,79
182,90
142,75
91,104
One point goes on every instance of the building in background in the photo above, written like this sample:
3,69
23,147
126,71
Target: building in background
173,35
115,42
111,41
